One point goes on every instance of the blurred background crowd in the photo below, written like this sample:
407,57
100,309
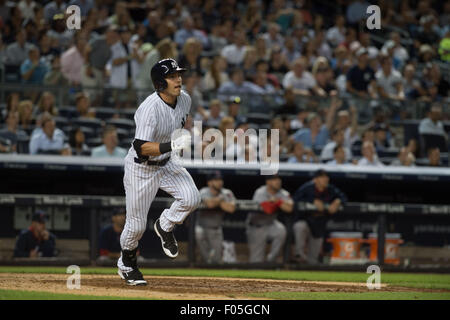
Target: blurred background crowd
338,92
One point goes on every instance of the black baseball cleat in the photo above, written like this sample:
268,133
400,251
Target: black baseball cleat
168,242
132,278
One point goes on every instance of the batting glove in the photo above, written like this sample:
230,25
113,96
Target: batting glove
182,142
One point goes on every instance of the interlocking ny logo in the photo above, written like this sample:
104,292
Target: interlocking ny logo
374,20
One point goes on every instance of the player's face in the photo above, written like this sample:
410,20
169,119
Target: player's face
174,82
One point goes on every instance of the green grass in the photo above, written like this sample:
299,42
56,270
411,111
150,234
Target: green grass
354,296
42,295
413,280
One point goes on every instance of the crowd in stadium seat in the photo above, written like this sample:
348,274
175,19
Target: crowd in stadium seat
315,72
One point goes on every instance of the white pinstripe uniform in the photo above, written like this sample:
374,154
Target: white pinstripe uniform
155,121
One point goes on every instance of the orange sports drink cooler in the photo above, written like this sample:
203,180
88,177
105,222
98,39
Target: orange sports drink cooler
346,247
390,247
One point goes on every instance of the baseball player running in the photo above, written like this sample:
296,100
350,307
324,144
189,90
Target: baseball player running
149,166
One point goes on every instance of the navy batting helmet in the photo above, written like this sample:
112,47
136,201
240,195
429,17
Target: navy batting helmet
161,70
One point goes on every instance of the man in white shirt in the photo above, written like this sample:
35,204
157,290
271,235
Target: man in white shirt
432,124
299,79
389,80
234,53
109,147
336,34
338,138
370,157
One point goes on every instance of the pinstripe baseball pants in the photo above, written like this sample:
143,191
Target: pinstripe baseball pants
141,184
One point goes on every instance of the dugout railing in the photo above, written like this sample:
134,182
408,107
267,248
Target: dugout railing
380,211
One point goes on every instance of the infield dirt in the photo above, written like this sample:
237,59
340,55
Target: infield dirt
179,288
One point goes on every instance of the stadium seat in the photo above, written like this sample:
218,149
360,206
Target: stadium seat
61,122
94,124
122,134
94,142
258,118
67,112
430,141
104,113
122,123
127,113
88,132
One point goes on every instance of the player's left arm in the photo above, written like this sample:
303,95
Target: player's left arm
287,205
228,203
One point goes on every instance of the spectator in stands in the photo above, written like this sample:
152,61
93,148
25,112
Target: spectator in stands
337,139
18,51
437,87
444,45
109,238
370,157
164,49
72,60
238,85
12,104
434,157
54,7
389,80
48,139
54,76
234,104
289,50
263,226
383,140
301,80
83,106
26,118
411,85
404,158
249,63
77,143
262,51
110,146
427,33
289,107
361,77
336,34
216,75
315,135
96,54
190,57
217,202
46,103
33,70
432,124
11,133
310,226
36,241
324,77
188,31
302,155
400,52
278,63
339,156
273,36
214,114
234,53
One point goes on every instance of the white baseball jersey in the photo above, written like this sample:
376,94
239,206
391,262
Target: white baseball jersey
155,122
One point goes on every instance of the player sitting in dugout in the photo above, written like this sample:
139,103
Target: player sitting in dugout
35,241
109,239
310,226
